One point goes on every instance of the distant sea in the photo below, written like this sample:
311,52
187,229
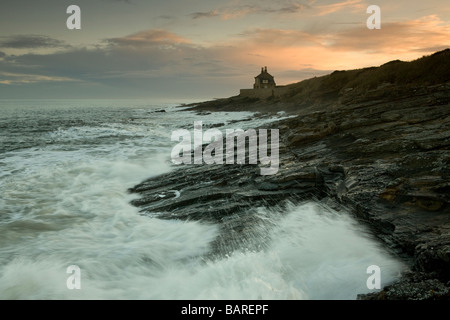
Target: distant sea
65,167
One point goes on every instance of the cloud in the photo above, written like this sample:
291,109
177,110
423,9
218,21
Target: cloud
149,37
427,33
16,78
279,37
294,8
209,14
239,11
281,7
165,17
31,42
2,54
334,7
228,13
142,55
353,46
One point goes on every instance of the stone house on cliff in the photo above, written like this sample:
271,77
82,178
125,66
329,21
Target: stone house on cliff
264,80
264,87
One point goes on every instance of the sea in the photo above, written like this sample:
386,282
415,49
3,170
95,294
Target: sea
68,230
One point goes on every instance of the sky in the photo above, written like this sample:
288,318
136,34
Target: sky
201,49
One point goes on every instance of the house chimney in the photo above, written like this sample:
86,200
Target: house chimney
265,69
262,69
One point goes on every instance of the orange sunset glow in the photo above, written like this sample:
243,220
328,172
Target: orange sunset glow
204,49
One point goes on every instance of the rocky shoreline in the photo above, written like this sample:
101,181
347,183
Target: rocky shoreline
383,155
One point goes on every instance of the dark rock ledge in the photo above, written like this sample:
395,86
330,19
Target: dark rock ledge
384,157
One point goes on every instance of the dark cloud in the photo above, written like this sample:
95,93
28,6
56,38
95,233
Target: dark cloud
209,14
148,61
117,72
246,9
148,38
2,54
165,17
294,8
31,42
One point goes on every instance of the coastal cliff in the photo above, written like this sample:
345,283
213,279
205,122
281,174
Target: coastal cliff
373,141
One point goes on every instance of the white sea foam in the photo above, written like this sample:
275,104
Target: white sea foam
314,253
65,204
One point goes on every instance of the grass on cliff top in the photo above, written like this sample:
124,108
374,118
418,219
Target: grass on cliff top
428,70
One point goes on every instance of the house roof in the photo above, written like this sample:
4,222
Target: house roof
264,75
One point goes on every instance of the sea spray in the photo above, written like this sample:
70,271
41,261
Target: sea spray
65,172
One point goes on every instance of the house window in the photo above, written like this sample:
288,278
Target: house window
265,81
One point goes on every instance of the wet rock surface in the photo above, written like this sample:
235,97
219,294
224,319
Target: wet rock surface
412,286
383,156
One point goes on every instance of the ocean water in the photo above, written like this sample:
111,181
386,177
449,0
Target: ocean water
65,167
